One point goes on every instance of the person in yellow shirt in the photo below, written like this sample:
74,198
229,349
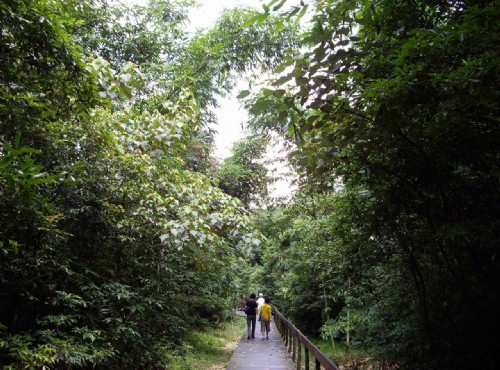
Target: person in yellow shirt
265,315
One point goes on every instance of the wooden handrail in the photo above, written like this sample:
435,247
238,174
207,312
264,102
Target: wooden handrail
293,338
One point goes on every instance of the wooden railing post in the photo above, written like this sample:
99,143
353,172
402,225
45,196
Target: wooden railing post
306,357
299,356
290,340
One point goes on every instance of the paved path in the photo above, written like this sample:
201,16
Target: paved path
258,354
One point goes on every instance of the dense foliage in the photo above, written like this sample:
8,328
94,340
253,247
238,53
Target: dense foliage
114,242
120,234
243,174
394,106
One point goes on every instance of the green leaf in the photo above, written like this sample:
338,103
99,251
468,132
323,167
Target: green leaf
243,94
267,92
259,18
260,106
282,80
119,149
301,14
279,5
280,68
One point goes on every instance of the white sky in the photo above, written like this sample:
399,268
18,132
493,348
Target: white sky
209,11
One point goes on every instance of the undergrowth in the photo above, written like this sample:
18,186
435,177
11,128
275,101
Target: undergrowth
210,349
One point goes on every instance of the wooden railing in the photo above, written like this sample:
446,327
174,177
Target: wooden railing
295,341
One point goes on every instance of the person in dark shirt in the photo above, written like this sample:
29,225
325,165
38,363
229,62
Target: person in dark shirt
251,311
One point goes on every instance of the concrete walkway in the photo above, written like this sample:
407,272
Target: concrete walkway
258,354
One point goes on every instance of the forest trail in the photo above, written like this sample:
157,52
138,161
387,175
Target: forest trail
261,354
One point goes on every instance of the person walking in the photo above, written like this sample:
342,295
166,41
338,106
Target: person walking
251,312
265,316
260,302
